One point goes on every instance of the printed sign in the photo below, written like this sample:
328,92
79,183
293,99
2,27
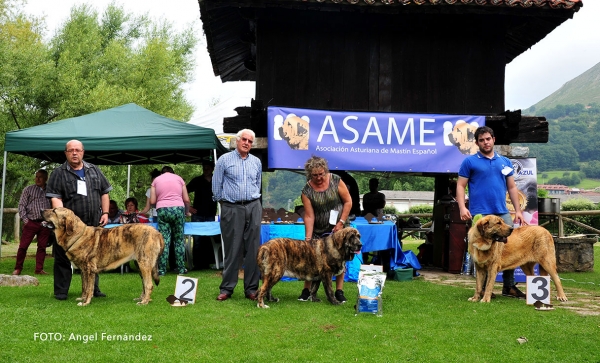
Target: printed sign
185,289
538,289
370,141
525,175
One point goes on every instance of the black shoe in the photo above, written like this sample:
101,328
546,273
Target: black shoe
339,296
60,296
513,292
305,295
99,294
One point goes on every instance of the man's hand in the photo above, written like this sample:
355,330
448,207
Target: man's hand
465,215
192,210
519,219
104,220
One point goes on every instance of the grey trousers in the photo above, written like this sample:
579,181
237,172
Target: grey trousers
240,229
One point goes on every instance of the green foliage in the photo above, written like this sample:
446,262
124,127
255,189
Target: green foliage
580,204
592,169
568,179
422,208
542,193
93,62
390,209
573,139
280,186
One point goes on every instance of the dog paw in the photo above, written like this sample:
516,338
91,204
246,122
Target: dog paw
314,299
263,306
82,304
79,299
142,303
474,298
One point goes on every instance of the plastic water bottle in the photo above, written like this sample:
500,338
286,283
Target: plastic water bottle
467,264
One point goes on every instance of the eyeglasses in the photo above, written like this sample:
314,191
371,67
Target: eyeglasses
245,139
320,175
74,151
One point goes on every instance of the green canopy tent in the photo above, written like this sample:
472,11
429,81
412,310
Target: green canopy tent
124,135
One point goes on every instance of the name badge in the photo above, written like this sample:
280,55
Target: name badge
333,217
506,170
81,188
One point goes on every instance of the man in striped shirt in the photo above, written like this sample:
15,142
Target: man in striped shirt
32,201
236,184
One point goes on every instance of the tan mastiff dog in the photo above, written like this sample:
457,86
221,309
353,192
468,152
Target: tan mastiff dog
96,249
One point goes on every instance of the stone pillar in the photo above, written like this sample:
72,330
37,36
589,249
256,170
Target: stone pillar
574,254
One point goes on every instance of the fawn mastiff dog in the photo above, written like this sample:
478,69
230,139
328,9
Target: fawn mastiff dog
317,260
96,249
496,246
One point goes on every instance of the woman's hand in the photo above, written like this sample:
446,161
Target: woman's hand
338,226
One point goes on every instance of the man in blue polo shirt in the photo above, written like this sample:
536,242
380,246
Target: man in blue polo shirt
489,176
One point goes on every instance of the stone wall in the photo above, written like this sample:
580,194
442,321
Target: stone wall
574,254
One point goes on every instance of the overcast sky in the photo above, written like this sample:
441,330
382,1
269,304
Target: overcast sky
568,51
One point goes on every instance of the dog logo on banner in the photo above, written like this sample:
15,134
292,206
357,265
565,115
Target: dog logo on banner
461,135
294,130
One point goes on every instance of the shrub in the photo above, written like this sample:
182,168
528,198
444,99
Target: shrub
422,208
390,209
580,204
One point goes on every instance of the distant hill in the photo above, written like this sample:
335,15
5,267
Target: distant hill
583,89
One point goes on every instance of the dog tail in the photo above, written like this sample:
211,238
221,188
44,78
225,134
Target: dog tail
261,257
155,275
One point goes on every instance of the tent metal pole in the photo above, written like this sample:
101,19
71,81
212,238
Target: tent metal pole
128,178
2,200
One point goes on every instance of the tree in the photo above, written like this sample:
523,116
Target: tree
92,63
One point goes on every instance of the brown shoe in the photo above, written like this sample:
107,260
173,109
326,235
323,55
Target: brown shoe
252,296
513,292
223,297
16,272
41,272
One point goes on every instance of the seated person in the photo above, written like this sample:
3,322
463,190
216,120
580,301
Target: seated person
114,214
373,201
131,214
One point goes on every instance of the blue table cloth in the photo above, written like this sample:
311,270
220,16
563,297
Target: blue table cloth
190,228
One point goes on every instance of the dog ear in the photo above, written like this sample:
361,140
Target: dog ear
481,227
69,226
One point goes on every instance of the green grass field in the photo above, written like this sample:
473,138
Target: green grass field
421,322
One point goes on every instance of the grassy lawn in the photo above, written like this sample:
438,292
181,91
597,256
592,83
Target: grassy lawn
421,322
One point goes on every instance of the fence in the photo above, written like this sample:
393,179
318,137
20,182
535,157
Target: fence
560,218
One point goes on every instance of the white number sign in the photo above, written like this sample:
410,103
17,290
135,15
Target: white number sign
538,289
185,289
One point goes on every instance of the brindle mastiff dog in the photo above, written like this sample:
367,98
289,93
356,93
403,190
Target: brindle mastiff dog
96,249
495,246
316,261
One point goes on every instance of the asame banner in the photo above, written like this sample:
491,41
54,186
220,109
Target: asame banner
370,141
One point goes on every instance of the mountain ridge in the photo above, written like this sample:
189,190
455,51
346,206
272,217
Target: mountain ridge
583,89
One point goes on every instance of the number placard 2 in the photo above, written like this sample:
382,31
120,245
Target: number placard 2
538,289
185,289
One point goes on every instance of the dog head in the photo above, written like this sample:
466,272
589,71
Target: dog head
295,131
491,229
64,222
463,137
349,241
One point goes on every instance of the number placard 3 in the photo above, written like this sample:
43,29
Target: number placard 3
185,289
538,289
